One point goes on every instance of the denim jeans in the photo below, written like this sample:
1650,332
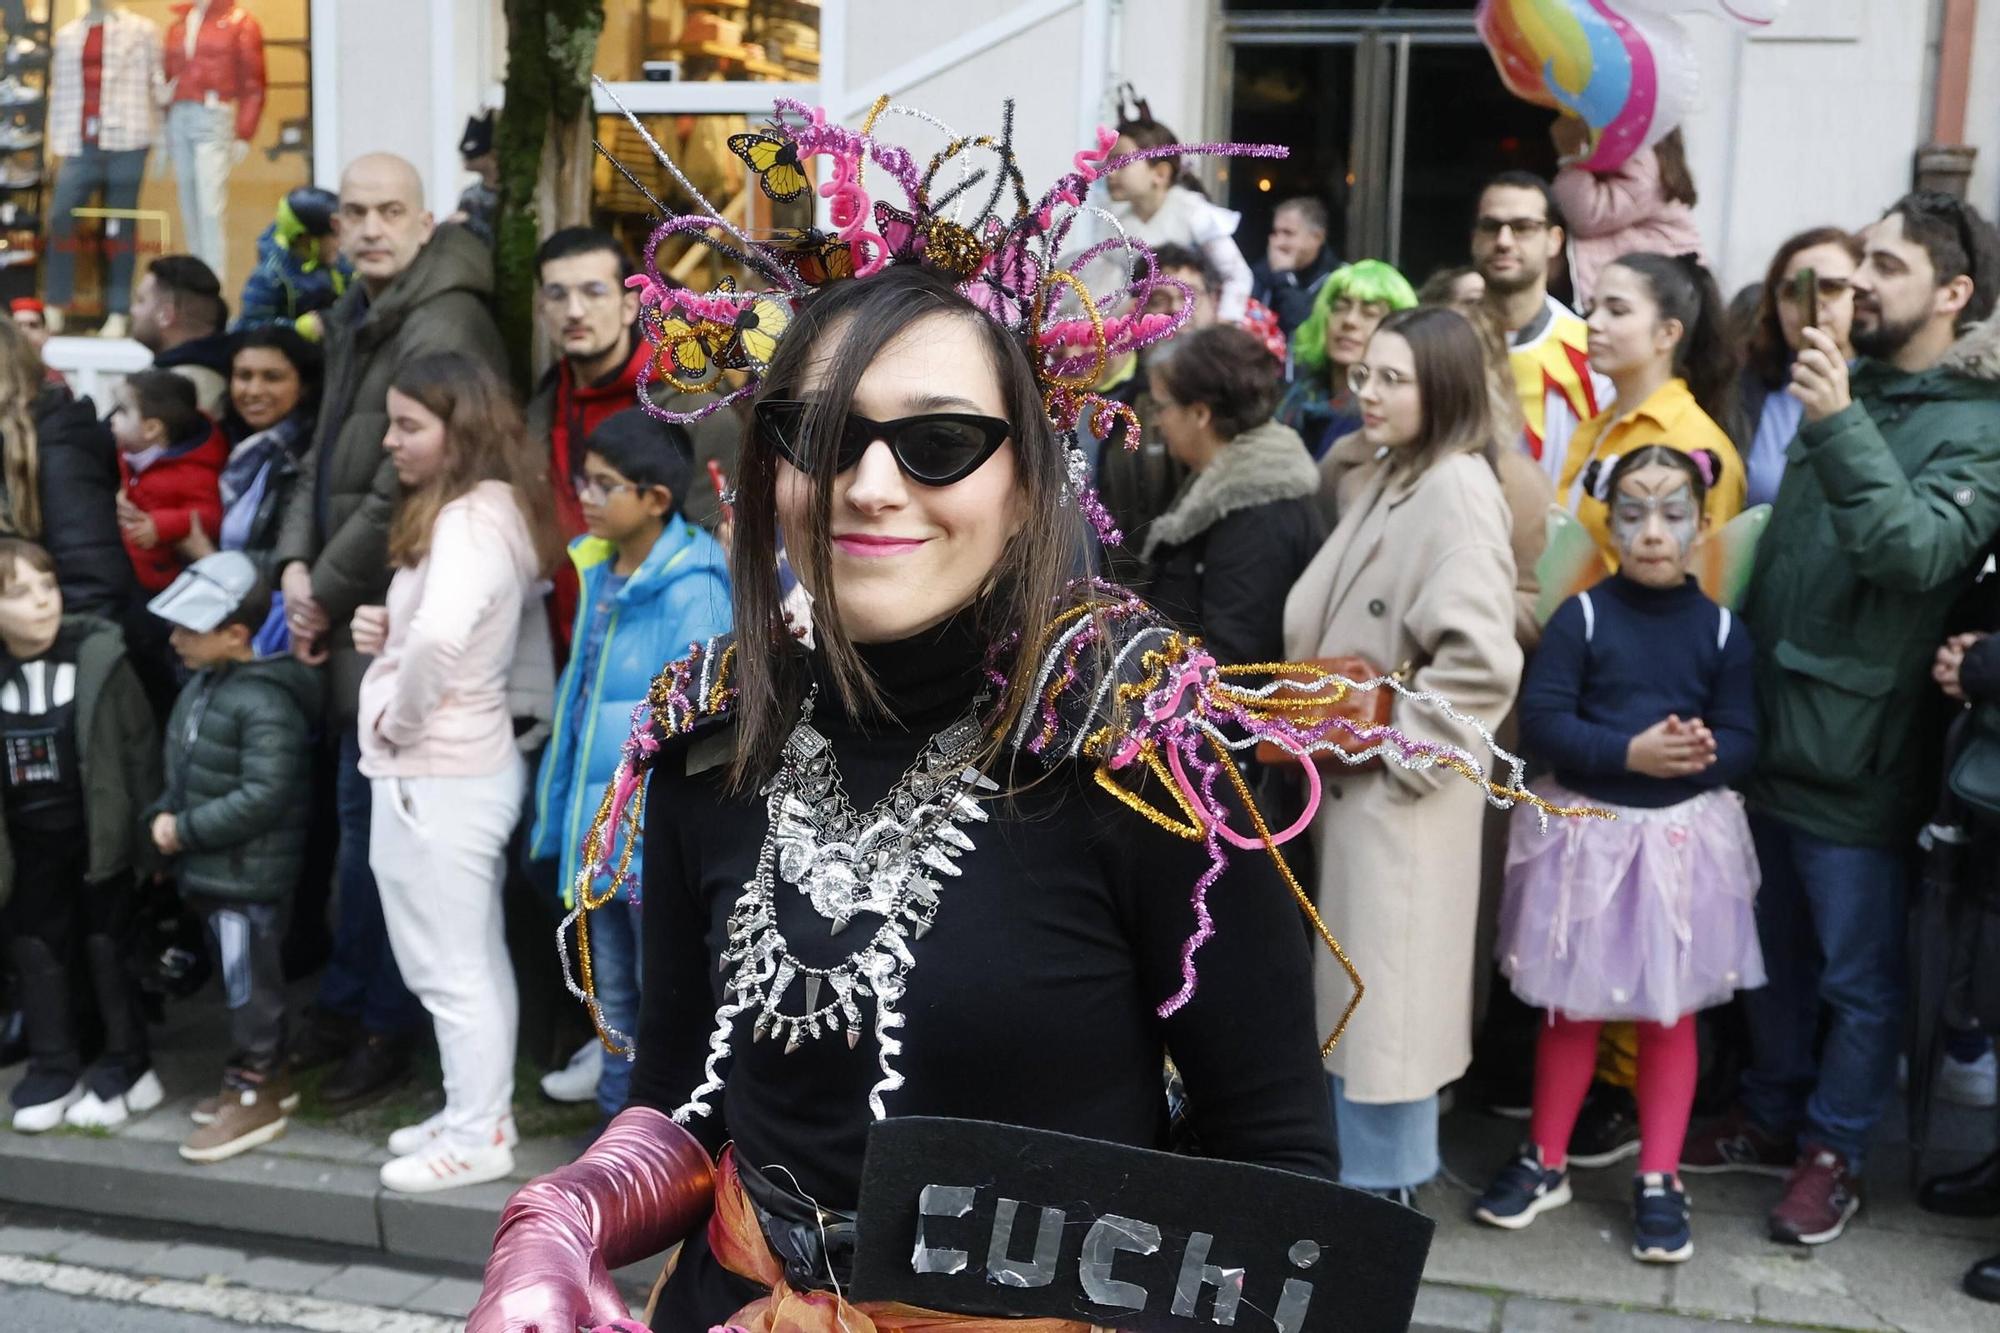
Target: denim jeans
90,174
200,141
1831,920
1385,1146
361,979
615,970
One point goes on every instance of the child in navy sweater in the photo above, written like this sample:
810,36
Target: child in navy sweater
1639,699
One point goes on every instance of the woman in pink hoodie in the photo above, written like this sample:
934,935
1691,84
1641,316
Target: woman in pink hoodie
1646,204
473,536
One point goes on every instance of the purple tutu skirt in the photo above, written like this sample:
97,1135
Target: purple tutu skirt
1647,917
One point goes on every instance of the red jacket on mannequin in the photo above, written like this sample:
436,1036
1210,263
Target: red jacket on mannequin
227,62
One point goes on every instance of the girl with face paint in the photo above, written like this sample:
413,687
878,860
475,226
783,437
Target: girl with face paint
1639,700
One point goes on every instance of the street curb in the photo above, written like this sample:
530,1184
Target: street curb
338,1203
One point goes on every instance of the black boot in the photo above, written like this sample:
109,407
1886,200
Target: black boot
1982,1280
127,1055
53,1064
1973,1192
326,1039
372,1069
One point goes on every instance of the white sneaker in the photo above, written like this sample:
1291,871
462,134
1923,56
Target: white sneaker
1970,1082
442,1165
115,326
415,1138
41,1118
93,1112
577,1080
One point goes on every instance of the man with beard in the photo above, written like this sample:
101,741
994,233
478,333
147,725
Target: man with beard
178,315
1516,234
1889,503
590,315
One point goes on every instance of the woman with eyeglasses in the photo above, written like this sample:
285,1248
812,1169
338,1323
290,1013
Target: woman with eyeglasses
471,537
1766,419
1418,578
1351,305
1222,557
1659,334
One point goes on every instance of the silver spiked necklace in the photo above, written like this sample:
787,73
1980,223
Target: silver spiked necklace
885,863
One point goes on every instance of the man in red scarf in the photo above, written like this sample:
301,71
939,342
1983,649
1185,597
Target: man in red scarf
591,316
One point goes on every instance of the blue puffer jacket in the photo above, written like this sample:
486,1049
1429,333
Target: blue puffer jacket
678,597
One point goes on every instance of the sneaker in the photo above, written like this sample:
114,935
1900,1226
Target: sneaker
41,1101
1970,1082
95,1112
1820,1197
15,176
577,1080
1737,1143
1607,1129
374,1068
443,1165
1523,1191
208,1108
19,138
415,1138
1660,1230
247,1118
15,94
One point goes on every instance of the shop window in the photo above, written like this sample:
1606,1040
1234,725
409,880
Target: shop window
195,166
701,41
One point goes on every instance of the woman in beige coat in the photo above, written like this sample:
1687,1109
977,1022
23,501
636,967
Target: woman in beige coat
1419,575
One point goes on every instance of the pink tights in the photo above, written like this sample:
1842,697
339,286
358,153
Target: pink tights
1565,1060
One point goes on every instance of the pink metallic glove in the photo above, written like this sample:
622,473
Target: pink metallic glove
643,1186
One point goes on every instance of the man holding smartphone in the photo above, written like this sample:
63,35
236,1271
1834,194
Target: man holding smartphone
1883,519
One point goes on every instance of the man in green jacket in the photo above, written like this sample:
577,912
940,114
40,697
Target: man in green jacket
1890,501
420,288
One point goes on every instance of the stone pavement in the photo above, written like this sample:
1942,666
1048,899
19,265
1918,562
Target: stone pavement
1897,1269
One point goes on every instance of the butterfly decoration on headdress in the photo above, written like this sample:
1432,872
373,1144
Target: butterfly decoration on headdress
966,212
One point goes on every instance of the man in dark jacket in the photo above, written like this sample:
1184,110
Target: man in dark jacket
591,317
420,289
1296,261
234,816
1890,501
178,315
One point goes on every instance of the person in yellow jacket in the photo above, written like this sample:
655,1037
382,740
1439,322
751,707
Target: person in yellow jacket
1656,331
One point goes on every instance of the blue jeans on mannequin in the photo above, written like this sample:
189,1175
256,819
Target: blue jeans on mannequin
91,174
201,141
1384,1146
361,979
1831,920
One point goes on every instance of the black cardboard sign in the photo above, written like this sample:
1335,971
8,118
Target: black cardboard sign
977,1218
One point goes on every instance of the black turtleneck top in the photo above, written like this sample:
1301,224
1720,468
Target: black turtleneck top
1033,997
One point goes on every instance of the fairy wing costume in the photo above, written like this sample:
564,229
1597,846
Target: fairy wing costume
881,930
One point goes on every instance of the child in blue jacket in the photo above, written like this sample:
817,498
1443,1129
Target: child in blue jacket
653,583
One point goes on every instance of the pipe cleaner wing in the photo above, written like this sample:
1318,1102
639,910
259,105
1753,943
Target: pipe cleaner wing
1723,560
1570,563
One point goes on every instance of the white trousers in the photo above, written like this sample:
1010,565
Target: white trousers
438,847
201,143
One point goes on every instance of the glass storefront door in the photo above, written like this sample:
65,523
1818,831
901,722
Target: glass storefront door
1394,116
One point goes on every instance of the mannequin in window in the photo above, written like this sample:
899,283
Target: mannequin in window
104,74
214,98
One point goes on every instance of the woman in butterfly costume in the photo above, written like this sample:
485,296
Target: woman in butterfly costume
968,854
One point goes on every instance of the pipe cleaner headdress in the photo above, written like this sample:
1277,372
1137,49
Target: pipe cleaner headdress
964,211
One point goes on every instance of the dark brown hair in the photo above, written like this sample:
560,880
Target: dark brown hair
1676,182
485,440
1437,288
844,328
20,447
1769,359
1145,132
1683,290
170,399
1605,488
31,554
1451,386
1225,369
1959,242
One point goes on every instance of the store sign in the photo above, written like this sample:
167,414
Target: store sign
975,1218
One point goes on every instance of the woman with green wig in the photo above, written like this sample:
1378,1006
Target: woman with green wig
1351,304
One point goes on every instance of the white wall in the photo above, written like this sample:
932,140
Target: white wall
1814,121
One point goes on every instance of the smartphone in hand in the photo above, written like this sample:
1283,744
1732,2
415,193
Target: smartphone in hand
1805,294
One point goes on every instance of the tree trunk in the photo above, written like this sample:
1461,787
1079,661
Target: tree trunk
543,142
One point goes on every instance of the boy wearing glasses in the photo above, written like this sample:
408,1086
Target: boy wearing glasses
652,583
